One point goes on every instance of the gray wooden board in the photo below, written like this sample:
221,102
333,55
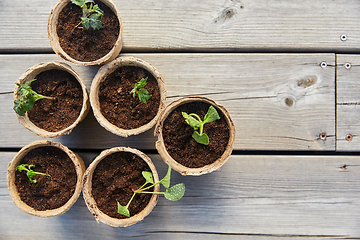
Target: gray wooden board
277,101
228,25
254,197
348,102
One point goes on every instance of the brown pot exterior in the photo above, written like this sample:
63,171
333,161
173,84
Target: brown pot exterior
31,74
160,146
79,167
54,39
91,203
107,69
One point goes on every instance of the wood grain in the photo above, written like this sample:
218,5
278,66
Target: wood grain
277,101
229,25
348,103
250,197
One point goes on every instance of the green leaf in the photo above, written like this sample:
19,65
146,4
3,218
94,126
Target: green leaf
148,177
175,193
97,10
18,109
211,115
123,210
28,97
140,84
166,180
31,174
144,95
203,138
94,22
22,167
81,2
194,123
140,91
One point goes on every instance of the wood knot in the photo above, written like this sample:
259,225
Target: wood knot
289,101
307,81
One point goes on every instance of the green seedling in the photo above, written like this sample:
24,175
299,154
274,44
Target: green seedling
29,172
91,14
173,193
210,116
140,91
28,97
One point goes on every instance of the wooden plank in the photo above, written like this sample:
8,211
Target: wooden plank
277,101
348,103
254,197
229,25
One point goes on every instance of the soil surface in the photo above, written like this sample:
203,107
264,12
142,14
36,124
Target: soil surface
113,181
48,192
119,107
82,44
183,148
56,114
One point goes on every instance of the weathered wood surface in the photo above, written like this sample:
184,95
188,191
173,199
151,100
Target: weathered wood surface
229,25
348,103
250,197
277,101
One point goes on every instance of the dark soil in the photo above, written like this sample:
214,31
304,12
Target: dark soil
113,181
119,107
56,114
48,192
82,44
183,148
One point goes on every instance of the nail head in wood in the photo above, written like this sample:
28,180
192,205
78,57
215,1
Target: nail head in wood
349,137
323,136
347,65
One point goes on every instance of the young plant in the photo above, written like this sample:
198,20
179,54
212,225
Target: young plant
28,97
91,14
140,91
174,193
29,172
210,116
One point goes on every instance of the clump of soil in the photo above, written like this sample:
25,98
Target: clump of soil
60,112
115,178
119,107
48,192
181,146
82,44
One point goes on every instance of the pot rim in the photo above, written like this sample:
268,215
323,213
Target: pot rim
30,74
104,72
79,168
54,39
91,203
160,145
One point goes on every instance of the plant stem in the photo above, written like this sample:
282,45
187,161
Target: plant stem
153,192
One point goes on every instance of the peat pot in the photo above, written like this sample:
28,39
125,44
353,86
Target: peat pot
72,42
175,137
68,104
52,194
112,101
111,178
